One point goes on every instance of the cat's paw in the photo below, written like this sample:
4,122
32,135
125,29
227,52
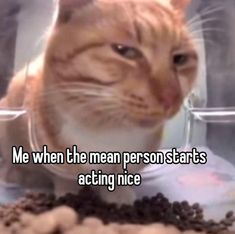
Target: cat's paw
121,196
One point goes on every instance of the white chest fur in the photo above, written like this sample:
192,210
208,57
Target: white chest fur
107,140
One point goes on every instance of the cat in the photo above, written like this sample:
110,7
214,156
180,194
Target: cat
112,73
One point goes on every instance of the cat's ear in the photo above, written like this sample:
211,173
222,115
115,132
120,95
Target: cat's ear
180,4
66,8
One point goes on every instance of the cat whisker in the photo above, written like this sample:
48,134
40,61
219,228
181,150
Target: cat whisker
84,101
211,9
88,92
212,19
116,116
193,19
98,105
205,30
79,83
204,41
58,87
201,39
89,99
112,114
80,91
200,22
197,19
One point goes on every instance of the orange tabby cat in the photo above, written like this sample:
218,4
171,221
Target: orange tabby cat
112,73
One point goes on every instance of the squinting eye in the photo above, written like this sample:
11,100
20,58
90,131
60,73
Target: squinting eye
180,59
126,51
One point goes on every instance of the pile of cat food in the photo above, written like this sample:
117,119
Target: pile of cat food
86,213
65,220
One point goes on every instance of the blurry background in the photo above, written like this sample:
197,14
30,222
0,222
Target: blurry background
23,24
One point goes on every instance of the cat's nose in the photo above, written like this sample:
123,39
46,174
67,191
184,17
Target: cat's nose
169,98
167,91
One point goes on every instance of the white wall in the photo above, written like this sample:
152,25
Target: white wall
34,20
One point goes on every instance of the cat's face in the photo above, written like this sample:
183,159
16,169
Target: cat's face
120,63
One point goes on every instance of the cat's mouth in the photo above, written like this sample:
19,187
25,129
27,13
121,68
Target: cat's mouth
151,121
174,110
147,121
126,116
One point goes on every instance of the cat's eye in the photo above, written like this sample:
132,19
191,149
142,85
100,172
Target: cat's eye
180,59
127,51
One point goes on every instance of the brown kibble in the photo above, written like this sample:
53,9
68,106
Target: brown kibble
196,206
230,214
192,232
149,230
172,230
15,227
80,230
227,232
27,231
185,204
128,228
227,222
163,229
199,216
4,230
44,224
65,217
92,222
155,215
105,230
115,226
26,219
